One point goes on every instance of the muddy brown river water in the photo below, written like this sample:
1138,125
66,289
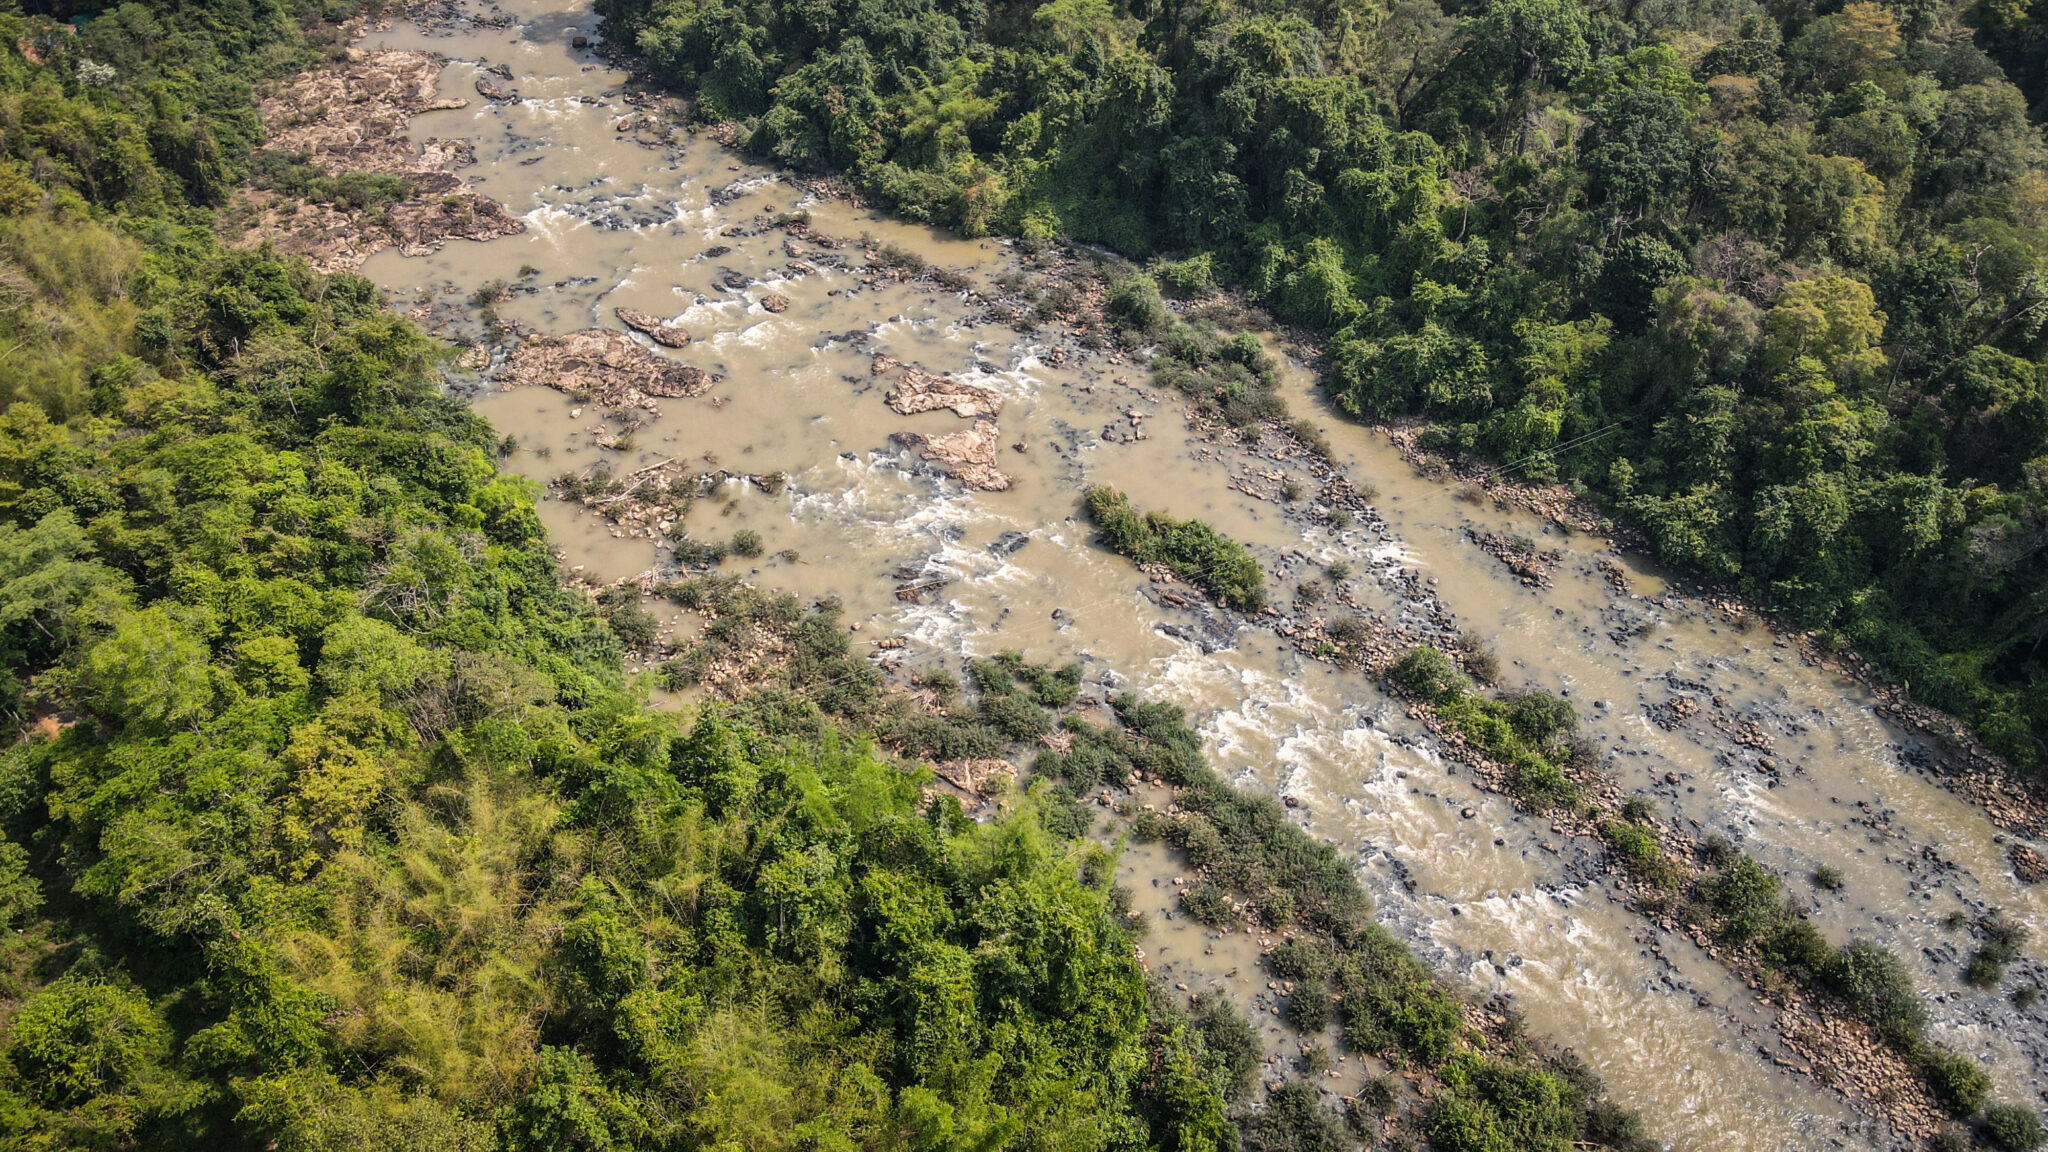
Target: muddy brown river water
1785,759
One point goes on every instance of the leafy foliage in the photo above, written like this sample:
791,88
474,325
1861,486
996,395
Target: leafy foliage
1527,732
1196,552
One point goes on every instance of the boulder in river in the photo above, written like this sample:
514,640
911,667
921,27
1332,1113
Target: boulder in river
968,456
603,365
491,88
920,391
776,303
660,331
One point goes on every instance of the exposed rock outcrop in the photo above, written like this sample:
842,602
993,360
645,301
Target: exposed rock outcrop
491,88
658,330
603,366
920,391
968,456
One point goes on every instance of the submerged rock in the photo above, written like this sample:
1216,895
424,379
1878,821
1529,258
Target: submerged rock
602,365
660,331
1009,544
920,391
969,456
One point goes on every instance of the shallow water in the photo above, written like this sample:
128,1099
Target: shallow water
1496,899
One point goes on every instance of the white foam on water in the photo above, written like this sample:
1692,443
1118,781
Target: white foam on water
552,222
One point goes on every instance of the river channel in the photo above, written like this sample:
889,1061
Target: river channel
1786,759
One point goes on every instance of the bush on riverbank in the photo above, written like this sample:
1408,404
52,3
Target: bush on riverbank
1229,379
1194,551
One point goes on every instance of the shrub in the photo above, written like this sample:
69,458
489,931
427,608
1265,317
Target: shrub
1194,276
1014,715
1134,305
1312,438
1233,1044
1957,1081
1795,946
1348,632
747,543
1491,1106
1828,878
1293,1120
1303,959
2012,1128
1479,660
1408,1014
2002,940
1375,1097
1875,983
1428,674
1620,1129
1746,898
1194,551
1208,904
1949,1139
635,626
1541,718
1309,1009
1639,851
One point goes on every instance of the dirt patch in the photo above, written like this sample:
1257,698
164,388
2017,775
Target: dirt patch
354,119
986,777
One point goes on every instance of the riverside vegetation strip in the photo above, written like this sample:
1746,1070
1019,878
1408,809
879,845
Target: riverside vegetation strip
334,823
1770,278
1528,743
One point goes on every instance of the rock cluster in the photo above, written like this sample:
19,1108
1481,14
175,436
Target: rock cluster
1520,554
354,119
601,365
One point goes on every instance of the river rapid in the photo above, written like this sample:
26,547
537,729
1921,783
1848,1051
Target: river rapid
1719,722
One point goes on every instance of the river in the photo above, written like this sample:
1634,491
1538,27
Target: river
1786,759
